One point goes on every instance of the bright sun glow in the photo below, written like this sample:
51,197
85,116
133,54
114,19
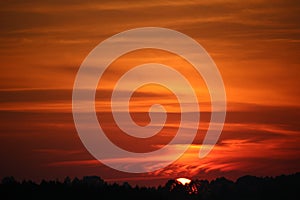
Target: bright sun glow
183,181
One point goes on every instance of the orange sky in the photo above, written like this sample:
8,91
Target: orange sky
255,45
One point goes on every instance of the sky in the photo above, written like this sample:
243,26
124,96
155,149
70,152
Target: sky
255,45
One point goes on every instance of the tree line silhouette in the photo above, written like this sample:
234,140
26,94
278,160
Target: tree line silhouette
244,188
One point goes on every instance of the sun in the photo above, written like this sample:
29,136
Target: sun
183,181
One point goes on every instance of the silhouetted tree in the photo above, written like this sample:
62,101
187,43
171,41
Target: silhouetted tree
245,188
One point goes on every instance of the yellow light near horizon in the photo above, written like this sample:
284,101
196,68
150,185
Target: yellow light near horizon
183,181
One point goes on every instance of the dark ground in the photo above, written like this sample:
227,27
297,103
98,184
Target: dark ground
246,187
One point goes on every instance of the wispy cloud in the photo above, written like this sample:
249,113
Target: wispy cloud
237,157
74,163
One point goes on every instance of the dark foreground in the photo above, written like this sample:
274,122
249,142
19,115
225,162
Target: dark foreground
246,187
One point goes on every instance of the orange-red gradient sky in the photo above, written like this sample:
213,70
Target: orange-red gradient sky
255,45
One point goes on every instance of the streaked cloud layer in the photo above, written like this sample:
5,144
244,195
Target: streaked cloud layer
255,44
